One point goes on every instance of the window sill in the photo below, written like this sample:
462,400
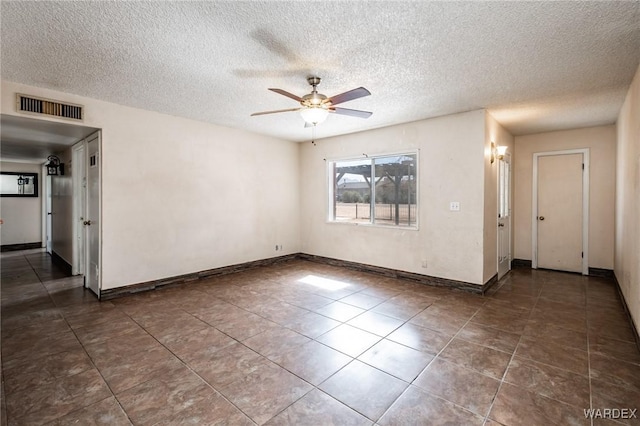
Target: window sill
375,225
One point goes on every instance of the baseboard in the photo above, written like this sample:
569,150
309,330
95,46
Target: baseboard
23,246
593,272
394,273
627,311
602,273
521,263
387,272
113,293
61,263
489,284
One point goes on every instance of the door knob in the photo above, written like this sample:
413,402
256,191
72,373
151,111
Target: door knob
541,217
501,225
87,222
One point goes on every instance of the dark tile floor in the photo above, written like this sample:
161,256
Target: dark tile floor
302,343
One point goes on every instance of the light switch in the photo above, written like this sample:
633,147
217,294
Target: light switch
454,206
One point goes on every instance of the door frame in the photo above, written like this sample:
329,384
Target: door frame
509,221
585,205
78,162
96,135
47,226
48,184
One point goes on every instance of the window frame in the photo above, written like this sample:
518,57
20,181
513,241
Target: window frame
331,189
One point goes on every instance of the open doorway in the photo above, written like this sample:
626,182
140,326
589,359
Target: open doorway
32,140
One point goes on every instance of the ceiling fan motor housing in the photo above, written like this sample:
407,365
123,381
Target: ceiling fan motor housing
313,99
314,81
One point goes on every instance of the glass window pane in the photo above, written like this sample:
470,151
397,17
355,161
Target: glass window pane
352,191
396,195
394,201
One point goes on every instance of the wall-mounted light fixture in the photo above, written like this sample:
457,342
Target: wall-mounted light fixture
502,150
54,166
497,151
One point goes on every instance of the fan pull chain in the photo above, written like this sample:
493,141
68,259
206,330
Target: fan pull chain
313,135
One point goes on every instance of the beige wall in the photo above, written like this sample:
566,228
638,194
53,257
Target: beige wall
494,132
452,158
180,196
627,246
22,216
601,142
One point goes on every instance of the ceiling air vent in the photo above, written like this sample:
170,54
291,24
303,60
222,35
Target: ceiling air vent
34,105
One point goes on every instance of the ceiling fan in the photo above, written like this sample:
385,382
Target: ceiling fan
315,106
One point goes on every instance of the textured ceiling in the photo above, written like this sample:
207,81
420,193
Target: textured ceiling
537,66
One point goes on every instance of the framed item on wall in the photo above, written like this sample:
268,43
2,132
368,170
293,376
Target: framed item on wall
18,184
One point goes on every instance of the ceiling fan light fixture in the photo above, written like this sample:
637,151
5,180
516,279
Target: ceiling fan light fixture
314,115
315,107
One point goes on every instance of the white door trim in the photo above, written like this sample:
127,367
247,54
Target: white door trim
98,136
585,206
43,194
78,162
48,218
509,223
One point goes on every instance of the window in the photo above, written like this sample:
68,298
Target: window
375,190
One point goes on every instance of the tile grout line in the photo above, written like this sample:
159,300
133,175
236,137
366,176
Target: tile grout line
426,366
48,295
240,342
504,375
538,300
356,358
187,365
58,308
314,387
94,366
589,353
430,362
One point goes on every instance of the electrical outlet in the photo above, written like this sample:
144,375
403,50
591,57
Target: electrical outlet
454,206
276,247
424,263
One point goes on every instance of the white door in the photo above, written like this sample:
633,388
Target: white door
47,189
79,178
92,218
559,217
504,216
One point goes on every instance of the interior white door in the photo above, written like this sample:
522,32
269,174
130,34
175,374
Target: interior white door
559,214
48,189
79,178
504,216
92,218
